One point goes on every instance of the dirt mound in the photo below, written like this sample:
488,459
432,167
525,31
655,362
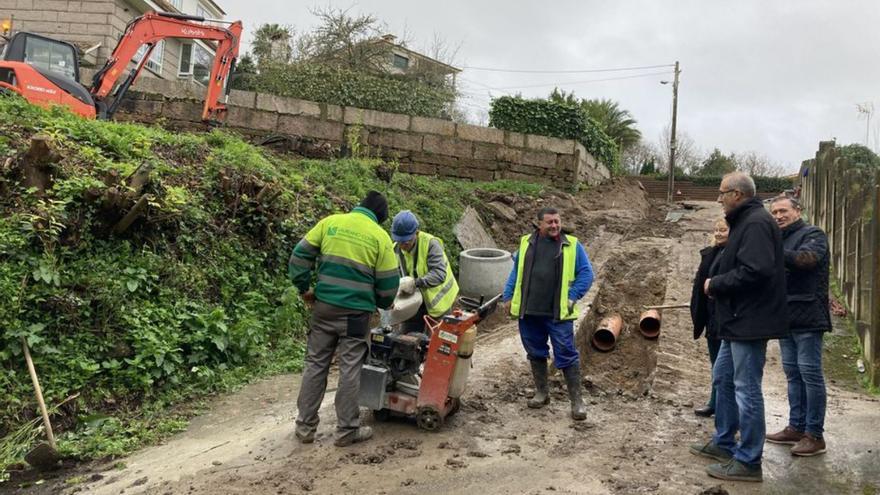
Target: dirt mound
633,277
508,217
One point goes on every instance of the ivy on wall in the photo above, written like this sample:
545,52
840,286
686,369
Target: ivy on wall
555,119
339,86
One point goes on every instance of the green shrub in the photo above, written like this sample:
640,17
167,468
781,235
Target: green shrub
860,155
557,119
344,87
762,184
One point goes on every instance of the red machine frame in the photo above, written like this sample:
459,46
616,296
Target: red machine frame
433,404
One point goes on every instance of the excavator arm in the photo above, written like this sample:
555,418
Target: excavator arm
148,30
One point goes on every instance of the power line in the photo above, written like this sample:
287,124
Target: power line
579,71
564,83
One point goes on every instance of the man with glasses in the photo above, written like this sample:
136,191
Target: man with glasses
750,308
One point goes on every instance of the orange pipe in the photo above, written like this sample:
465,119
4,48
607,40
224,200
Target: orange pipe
606,334
649,324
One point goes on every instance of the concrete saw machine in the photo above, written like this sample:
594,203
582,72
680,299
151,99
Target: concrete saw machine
423,375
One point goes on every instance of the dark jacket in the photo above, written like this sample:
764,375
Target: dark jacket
702,309
749,289
583,272
806,276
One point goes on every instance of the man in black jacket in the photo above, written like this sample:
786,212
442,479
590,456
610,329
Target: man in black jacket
806,265
750,308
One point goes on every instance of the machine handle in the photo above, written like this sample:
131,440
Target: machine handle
489,307
431,323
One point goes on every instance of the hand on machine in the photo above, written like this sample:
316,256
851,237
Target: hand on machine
386,379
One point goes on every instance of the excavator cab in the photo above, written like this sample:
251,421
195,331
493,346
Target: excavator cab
56,60
47,55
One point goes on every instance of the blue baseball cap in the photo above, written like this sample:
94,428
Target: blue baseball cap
404,226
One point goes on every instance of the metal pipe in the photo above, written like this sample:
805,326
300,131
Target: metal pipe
607,332
649,324
669,306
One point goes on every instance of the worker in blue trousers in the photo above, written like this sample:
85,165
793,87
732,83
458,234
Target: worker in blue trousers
551,272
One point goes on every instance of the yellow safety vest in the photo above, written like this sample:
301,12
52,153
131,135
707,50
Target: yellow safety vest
569,254
439,299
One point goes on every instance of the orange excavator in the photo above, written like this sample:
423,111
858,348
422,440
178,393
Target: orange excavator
45,71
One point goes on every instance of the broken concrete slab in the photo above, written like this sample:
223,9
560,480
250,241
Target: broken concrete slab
502,210
471,233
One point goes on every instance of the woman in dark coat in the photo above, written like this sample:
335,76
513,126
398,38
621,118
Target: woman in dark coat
703,308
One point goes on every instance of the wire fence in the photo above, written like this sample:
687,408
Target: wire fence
843,199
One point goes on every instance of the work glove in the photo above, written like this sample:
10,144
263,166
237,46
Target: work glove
407,285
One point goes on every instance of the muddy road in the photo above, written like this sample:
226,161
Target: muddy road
640,399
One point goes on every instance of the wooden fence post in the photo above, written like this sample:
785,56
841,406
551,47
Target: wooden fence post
872,335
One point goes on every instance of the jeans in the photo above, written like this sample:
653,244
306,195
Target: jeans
534,332
802,363
737,377
714,345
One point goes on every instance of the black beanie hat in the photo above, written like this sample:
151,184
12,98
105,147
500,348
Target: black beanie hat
375,202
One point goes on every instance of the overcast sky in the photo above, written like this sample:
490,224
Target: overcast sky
774,77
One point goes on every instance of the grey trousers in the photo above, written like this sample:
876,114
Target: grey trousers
333,328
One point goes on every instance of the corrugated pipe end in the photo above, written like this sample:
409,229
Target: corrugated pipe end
607,332
649,324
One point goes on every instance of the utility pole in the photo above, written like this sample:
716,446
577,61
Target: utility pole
671,191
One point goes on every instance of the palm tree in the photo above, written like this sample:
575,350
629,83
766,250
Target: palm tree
619,124
272,44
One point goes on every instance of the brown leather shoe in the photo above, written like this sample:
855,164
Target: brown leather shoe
788,436
809,446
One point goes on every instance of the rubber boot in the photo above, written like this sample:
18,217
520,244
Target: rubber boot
542,388
573,382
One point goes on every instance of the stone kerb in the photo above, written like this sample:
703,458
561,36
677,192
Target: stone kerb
552,144
375,118
480,134
282,105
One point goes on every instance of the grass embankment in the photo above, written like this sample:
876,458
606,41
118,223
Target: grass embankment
189,299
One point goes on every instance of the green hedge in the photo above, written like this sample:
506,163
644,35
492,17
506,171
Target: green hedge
556,119
762,184
349,88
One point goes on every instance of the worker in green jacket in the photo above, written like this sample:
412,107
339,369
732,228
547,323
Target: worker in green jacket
425,267
357,272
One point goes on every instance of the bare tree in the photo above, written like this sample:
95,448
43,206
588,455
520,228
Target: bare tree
688,157
754,163
439,48
640,155
345,40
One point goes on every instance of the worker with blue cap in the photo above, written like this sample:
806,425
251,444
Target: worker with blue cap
424,266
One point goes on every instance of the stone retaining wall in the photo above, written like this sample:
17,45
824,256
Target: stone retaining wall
420,145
